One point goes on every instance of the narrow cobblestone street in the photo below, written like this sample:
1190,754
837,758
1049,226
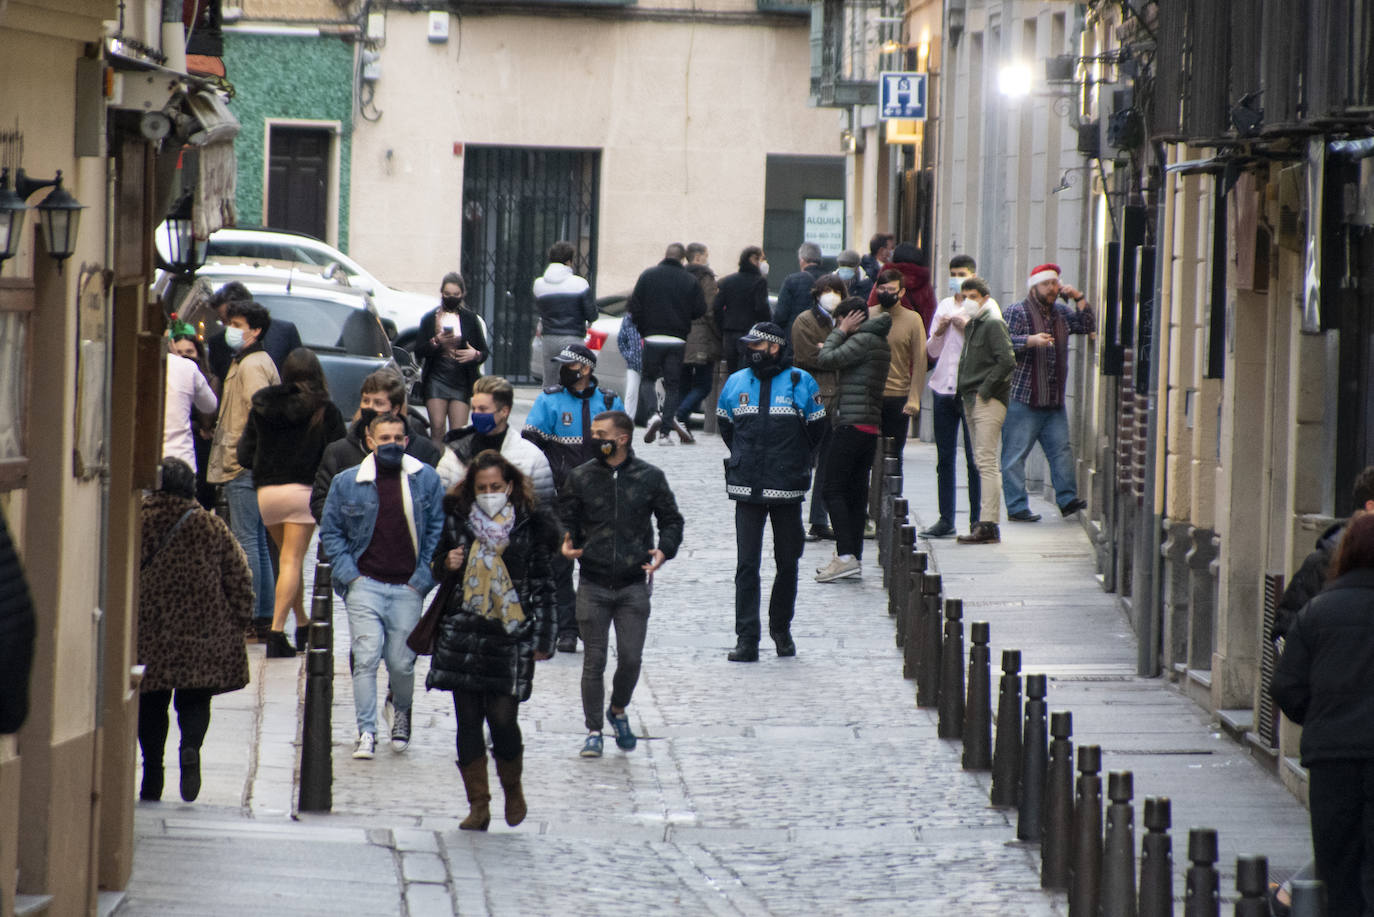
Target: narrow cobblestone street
793,786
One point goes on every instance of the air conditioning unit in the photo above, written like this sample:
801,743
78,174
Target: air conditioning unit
1120,127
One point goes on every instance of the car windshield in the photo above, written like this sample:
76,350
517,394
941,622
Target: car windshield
329,326
273,251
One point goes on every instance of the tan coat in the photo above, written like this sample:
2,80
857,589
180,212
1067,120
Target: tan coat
195,597
906,375
245,377
808,334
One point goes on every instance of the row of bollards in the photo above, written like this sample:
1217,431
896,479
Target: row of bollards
1084,852
317,764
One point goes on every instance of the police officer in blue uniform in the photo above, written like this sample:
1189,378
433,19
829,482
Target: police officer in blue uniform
560,424
772,419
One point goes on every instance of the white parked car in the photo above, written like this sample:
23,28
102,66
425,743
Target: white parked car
400,307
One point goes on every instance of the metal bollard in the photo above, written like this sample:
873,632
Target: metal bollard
1309,898
978,700
1118,849
928,640
899,583
1006,756
890,489
1202,896
950,724
1156,861
1030,824
1056,844
317,765
1252,882
1085,864
911,603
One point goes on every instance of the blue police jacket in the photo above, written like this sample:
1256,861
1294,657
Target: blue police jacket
560,423
772,423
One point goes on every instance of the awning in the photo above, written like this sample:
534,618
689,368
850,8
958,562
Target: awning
214,137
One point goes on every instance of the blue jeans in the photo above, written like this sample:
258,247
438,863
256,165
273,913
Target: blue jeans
697,380
380,618
1024,427
949,413
246,524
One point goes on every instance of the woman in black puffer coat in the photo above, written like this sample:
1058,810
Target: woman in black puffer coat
1323,684
499,618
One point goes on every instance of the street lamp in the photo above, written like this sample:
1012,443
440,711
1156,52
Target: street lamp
184,254
59,216
1014,81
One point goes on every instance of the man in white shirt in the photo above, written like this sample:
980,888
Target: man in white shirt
187,388
945,344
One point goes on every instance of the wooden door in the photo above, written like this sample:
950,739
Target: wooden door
298,180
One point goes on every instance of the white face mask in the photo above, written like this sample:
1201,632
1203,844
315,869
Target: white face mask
955,285
492,504
234,338
829,300
763,268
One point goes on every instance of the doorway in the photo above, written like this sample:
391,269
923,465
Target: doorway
298,179
517,201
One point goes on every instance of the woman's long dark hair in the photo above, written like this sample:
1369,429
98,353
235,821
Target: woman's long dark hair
1356,550
464,493
302,369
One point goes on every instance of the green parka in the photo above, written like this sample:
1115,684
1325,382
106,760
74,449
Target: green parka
861,360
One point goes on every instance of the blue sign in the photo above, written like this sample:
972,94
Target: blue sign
902,95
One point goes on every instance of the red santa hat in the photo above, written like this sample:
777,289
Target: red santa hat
1044,272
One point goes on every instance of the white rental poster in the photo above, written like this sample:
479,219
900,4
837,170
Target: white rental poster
824,225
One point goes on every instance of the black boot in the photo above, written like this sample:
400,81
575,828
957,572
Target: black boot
151,791
782,639
190,774
278,647
744,651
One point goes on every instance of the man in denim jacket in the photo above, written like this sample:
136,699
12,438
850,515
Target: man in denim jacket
381,526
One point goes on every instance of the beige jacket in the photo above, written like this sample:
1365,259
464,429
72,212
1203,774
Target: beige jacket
906,374
808,334
244,378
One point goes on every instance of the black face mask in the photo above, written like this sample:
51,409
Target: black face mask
365,417
761,359
887,300
606,448
451,303
568,376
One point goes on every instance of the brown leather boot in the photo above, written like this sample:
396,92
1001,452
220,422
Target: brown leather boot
509,772
983,533
479,795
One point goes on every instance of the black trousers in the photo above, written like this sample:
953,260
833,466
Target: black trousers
949,416
566,595
788,540
1341,796
498,711
847,467
664,361
193,719
816,514
734,350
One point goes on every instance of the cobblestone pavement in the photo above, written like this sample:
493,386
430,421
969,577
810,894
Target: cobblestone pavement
810,785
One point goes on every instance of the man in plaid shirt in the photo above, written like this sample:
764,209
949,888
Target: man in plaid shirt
1040,326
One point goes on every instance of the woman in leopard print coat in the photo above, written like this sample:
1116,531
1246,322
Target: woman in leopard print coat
195,599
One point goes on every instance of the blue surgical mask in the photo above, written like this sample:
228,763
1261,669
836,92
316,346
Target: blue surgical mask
234,338
955,285
846,273
483,423
389,455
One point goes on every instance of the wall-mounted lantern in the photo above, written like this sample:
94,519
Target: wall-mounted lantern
59,215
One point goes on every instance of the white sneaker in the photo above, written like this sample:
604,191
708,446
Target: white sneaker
366,748
838,568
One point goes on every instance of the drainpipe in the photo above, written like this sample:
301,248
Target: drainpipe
1148,567
173,35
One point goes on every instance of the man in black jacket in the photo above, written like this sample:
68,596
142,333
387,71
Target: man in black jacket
18,625
794,297
280,339
608,507
383,392
741,303
772,419
665,301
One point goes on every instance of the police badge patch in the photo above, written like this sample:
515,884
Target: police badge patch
567,418
743,398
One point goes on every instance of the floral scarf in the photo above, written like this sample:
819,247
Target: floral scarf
488,590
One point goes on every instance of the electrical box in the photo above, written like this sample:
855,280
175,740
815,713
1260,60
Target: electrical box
376,26
438,27
372,66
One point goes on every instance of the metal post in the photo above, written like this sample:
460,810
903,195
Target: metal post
1202,897
891,489
899,582
1034,763
951,719
1252,882
911,603
1006,756
1118,852
1156,861
322,606
1055,844
317,765
1085,877
928,637
1309,898
978,701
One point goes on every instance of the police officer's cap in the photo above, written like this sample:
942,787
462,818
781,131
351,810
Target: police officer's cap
576,353
765,331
